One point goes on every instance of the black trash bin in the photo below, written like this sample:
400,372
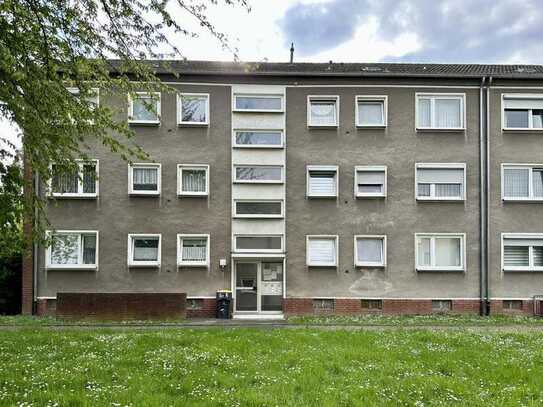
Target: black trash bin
224,298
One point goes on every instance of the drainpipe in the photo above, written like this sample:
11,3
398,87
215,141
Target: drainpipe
487,187
482,199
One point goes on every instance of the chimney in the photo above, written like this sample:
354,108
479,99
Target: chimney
291,52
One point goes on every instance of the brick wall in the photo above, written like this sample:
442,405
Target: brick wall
207,310
121,306
46,307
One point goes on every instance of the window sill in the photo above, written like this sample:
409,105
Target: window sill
370,265
322,126
193,124
72,267
145,194
440,129
523,200
432,199
371,126
73,196
258,182
144,123
144,265
257,216
322,196
258,146
440,269
368,196
322,265
256,111
192,195
192,264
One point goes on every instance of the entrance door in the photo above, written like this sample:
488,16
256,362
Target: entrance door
259,287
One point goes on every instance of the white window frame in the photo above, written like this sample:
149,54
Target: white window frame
258,95
316,98
183,263
258,216
530,197
360,263
236,181
530,118
316,237
432,197
433,236
236,145
235,243
371,98
331,168
79,266
130,256
433,97
144,122
79,193
180,168
370,168
75,91
131,190
528,236
180,121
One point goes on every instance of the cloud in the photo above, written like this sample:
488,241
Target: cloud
486,31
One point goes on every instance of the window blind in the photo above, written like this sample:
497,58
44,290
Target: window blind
516,182
322,251
370,250
322,182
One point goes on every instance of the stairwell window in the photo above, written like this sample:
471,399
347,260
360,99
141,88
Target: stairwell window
81,182
322,250
440,252
193,109
144,108
440,182
258,209
322,111
522,182
144,179
522,252
144,250
193,180
258,243
370,181
371,111
258,103
370,251
440,111
72,250
193,250
522,111
258,138
256,174
322,181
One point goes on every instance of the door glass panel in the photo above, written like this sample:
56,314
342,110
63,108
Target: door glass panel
271,287
246,286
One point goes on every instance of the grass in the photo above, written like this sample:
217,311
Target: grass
269,367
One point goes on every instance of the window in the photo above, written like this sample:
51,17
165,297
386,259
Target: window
371,304
193,250
144,108
322,250
195,304
258,209
512,305
80,183
93,97
322,181
441,305
443,252
323,305
522,182
522,252
370,181
258,103
258,138
371,111
440,111
522,111
193,109
259,243
144,250
193,180
440,182
72,250
322,111
144,179
370,251
271,174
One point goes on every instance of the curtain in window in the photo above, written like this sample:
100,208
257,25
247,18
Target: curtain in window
537,179
447,113
370,181
322,251
64,182
370,250
65,249
515,182
145,179
447,252
322,182
448,190
537,118
370,113
424,256
193,180
89,179
194,250
145,249
323,113
424,113
194,109
516,256
89,249
144,108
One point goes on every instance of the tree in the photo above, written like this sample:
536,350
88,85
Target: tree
50,46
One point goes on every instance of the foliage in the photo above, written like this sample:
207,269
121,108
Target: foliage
281,367
47,47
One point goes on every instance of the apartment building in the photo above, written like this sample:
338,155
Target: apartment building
312,188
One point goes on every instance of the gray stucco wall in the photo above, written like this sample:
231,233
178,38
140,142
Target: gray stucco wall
398,216
114,214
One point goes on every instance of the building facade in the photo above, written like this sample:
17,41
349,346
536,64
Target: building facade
312,188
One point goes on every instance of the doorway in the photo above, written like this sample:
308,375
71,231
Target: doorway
259,287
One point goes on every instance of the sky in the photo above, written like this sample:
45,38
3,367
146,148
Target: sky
440,31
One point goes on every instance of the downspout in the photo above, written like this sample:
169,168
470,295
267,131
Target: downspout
487,187
482,199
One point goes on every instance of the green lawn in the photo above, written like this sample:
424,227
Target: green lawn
269,367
